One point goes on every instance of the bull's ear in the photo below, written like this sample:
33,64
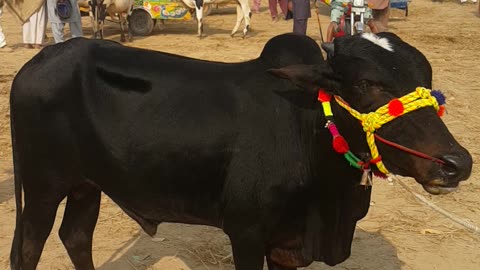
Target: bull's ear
309,77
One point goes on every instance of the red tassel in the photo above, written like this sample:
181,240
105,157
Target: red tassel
441,111
340,145
395,107
323,96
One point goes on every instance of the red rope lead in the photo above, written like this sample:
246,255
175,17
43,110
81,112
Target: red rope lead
408,150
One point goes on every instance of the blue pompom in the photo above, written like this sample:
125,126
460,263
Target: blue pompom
439,96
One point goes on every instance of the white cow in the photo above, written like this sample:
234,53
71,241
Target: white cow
243,13
100,8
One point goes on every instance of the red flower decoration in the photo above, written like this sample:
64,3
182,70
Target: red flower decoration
323,96
441,111
340,145
395,108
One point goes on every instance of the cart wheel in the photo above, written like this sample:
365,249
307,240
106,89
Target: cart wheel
140,22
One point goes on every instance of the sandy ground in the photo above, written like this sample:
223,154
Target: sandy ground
398,233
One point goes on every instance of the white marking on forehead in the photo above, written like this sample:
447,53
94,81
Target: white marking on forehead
382,42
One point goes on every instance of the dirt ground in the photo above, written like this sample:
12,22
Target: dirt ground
398,233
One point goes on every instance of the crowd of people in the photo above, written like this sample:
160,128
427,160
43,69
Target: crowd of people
36,14
300,12
60,12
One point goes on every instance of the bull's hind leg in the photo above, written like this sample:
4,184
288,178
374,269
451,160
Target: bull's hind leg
36,221
79,220
243,13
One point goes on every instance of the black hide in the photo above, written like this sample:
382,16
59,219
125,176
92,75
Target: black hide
175,139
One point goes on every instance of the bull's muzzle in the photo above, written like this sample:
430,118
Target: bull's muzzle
457,168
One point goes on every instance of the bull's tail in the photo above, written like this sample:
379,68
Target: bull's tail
16,252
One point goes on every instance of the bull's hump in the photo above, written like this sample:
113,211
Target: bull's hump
379,41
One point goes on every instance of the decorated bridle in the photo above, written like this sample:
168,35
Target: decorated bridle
373,121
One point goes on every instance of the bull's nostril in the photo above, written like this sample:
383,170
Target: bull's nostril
450,167
457,167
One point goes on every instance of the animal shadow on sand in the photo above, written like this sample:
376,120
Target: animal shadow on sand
178,246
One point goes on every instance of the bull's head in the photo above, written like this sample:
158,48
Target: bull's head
98,12
368,72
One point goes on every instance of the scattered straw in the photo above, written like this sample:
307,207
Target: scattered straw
198,257
468,225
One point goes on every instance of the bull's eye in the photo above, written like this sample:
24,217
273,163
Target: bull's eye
363,86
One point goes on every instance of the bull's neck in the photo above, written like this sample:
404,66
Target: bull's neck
317,143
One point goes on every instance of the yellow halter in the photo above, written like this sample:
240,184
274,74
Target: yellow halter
372,121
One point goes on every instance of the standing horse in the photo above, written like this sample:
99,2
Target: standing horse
99,10
243,13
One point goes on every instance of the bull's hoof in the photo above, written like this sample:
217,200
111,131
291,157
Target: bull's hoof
246,30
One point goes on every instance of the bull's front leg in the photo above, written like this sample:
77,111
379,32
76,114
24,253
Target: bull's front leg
246,237
248,249
98,34
243,13
199,13
122,27
130,34
239,20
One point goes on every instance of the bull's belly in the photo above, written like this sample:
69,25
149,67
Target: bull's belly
150,206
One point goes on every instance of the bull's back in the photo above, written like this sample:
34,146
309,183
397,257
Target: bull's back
148,128
167,127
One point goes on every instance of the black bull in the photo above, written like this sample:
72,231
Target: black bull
174,139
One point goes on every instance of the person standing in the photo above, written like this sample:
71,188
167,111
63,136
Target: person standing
3,40
338,9
272,5
34,28
301,13
61,12
256,5
381,13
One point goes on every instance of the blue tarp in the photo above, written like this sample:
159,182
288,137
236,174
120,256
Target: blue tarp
400,4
